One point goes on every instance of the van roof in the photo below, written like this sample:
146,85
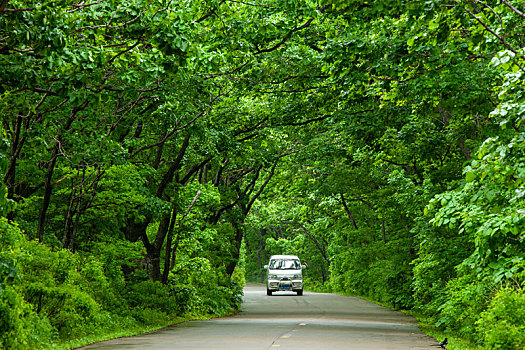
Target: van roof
284,257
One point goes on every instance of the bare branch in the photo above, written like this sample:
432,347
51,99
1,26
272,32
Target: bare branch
235,70
286,38
253,128
124,51
3,5
194,170
348,212
44,91
309,121
491,9
513,8
284,80
294,91
210,13
270,175
501,39
192,203
57,106
252,4
82,6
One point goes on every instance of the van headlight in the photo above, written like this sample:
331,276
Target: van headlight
272,277
297,277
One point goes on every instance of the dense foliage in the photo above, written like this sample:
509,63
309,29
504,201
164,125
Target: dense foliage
154,151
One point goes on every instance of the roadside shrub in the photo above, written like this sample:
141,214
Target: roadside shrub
148,316
502,325
74,312
184,297
466,298
239,275
349,271
20,326
70,291
52,298
150,295
200,289
119,260
90,278
13,311
376,272
436,264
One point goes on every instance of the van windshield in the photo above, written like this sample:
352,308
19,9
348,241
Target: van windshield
285,264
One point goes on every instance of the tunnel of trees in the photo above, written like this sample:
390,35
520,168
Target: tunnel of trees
155,153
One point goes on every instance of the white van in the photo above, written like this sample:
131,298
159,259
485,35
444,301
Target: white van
284,273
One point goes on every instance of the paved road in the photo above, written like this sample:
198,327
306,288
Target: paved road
284,321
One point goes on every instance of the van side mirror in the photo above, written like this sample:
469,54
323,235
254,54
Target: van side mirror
266,267
303,267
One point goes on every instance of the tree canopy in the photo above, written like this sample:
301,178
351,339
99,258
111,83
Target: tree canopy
167,148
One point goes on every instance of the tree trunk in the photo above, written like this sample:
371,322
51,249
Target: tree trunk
152,264
169,248
134,231
48,189
16,144
261,248
154,250
48,186
322,250
239,234
82,209
69,219
174,252
348,213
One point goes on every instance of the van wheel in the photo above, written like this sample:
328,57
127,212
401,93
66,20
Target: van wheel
268,292
300,293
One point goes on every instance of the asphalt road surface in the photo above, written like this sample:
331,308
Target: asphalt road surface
285,321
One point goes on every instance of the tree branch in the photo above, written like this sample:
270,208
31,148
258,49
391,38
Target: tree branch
210,13
347,210
194,170
286,38
169,134
124,51
168,177
82,6
3,5
501,39
513,8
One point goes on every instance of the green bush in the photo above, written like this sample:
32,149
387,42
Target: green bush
13,310
201,289
149,316
52,297
90,278
71,292
75,315
466,298
375,272
239,275
502,325
20,326
152,295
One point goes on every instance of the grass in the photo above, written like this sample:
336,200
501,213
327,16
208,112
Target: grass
454,341
78,343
